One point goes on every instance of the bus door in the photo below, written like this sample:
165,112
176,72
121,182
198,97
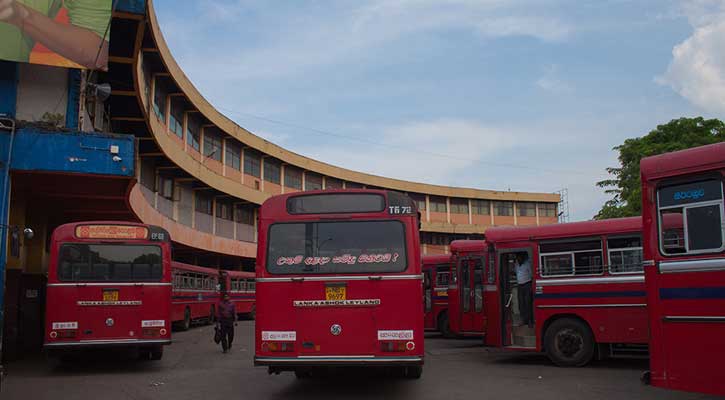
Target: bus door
686,288
427,293
470,290
514,332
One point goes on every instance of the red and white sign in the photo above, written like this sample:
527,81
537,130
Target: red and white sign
65,325
153,323
123,232
395,335
281,336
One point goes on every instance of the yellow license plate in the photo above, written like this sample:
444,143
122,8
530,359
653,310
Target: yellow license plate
110,295
336,293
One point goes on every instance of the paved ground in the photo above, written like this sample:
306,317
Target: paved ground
194,368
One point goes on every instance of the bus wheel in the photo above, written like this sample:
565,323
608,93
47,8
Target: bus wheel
187,320
414,372
156,353
443,327
212,315
569,343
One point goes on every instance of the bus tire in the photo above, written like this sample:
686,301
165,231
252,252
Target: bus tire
569,343
212,315
443,326
414,372
156,353
186,324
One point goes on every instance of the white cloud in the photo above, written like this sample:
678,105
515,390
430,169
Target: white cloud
697,69
551,82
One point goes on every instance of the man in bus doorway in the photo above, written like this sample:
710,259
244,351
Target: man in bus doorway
523,279
227,316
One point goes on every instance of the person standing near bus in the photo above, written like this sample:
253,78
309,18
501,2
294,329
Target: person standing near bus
523,279
227,316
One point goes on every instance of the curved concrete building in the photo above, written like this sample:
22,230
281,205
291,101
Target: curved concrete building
202,177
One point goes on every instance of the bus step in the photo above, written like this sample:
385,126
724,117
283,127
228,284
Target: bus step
524,341
629,350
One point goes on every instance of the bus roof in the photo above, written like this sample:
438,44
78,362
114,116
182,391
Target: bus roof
276,206
436,259
693,160
194,268
570,229
468,246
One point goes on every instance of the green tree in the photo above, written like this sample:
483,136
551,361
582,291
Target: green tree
678,134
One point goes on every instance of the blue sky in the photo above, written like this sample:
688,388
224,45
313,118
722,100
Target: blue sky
492,94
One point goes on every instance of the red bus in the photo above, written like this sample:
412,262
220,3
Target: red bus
436,274
241,288
195,294
586,293
339,282
684,249
467,317
109,284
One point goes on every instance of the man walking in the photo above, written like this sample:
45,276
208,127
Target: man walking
523,279
227,316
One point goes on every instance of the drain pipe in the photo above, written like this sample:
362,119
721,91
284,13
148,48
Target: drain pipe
6,124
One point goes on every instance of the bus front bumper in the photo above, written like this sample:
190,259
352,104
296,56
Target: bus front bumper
320,361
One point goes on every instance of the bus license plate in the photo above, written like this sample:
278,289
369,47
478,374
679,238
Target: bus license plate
336,293
110,295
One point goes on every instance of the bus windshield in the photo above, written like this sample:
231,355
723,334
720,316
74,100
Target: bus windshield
81,262
336,247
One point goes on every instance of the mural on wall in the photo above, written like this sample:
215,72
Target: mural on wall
64,33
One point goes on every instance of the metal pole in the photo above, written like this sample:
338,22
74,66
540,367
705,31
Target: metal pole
5,124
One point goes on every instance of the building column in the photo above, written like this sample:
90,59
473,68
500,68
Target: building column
324,182
303,179
448,210
470,213
213,215
256,211
261,173
184,127
516,219
167,114
281,176
490,206
427,208
201,143
536,207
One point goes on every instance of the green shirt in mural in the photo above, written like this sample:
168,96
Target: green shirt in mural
93,15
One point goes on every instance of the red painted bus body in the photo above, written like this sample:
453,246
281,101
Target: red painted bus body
465,294
339,282
684,249
109,285
587,288
195,295
436,274
241,288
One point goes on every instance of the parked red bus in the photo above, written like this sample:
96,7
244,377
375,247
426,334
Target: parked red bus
684,248
339,282
241,288
436,275
586,287
195,295
466,313
109,284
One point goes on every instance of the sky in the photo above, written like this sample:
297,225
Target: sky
491,94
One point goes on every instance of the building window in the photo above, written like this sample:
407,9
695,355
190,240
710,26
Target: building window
272,170
503,208
332,183
437,204
224,210
459,206
232,154
175,122
245,215
526,209
192,133
252,163
212,146
419,200
166,187
353,185
313,181
547,209
481,207
159,101
292,177
204,203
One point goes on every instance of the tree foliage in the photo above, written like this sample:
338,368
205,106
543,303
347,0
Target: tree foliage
678,134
